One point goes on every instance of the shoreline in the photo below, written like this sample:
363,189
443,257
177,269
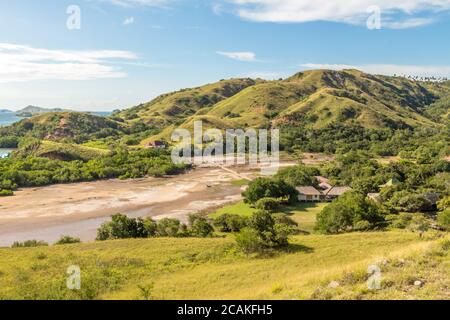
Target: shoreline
78,209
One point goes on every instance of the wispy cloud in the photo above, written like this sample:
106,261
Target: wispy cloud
387,69
24,63
128,21
395,13
238,55
131,3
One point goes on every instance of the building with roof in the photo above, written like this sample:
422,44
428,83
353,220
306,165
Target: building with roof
336,192
309,194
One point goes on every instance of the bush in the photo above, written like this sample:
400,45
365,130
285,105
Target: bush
67,240
399,221
444,219
268,204
122,227
282,218
171,228
409,202
262,233
419,223
6,193
270,188
352,211
29,244
230,223
200,227
248,241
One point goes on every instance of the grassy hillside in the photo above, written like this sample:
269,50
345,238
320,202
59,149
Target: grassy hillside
211,269
313,99
60,151
177,106
75,126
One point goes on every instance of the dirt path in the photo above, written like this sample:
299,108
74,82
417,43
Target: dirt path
78,209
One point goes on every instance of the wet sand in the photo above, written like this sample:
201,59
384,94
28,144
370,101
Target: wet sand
78,209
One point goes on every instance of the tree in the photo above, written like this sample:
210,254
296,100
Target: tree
268,204
408,201
122,227
270,188
299,176
171,228
230,222
351,211
199,226
263,233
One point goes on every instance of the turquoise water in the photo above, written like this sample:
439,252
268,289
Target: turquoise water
7,118
5,152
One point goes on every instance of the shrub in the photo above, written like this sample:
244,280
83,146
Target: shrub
151,227
262,233
230,223
419,223
122,227
248,241
444,219
349,212
67,240
269,188
268,204
171,228
6,193
29,244
282,218
407,201
200,227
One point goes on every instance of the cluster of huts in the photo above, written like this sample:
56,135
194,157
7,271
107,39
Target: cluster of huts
324,193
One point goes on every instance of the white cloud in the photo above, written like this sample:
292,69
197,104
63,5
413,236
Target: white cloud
128,21
387,69
395,13
131,3
241,56
24,63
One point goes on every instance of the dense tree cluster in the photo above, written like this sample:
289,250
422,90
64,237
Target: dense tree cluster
123,227
122,164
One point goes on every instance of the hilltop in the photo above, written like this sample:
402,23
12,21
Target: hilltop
33,110
312,99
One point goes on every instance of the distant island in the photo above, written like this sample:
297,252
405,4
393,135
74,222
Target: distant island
5,111
30,111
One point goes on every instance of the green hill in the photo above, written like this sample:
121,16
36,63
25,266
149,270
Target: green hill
59,151
75,126
311,99
177,106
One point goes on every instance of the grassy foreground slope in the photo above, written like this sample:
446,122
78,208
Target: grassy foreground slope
202,268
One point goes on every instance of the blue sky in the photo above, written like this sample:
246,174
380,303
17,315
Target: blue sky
129,51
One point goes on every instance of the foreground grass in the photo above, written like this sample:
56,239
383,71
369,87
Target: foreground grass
196,268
